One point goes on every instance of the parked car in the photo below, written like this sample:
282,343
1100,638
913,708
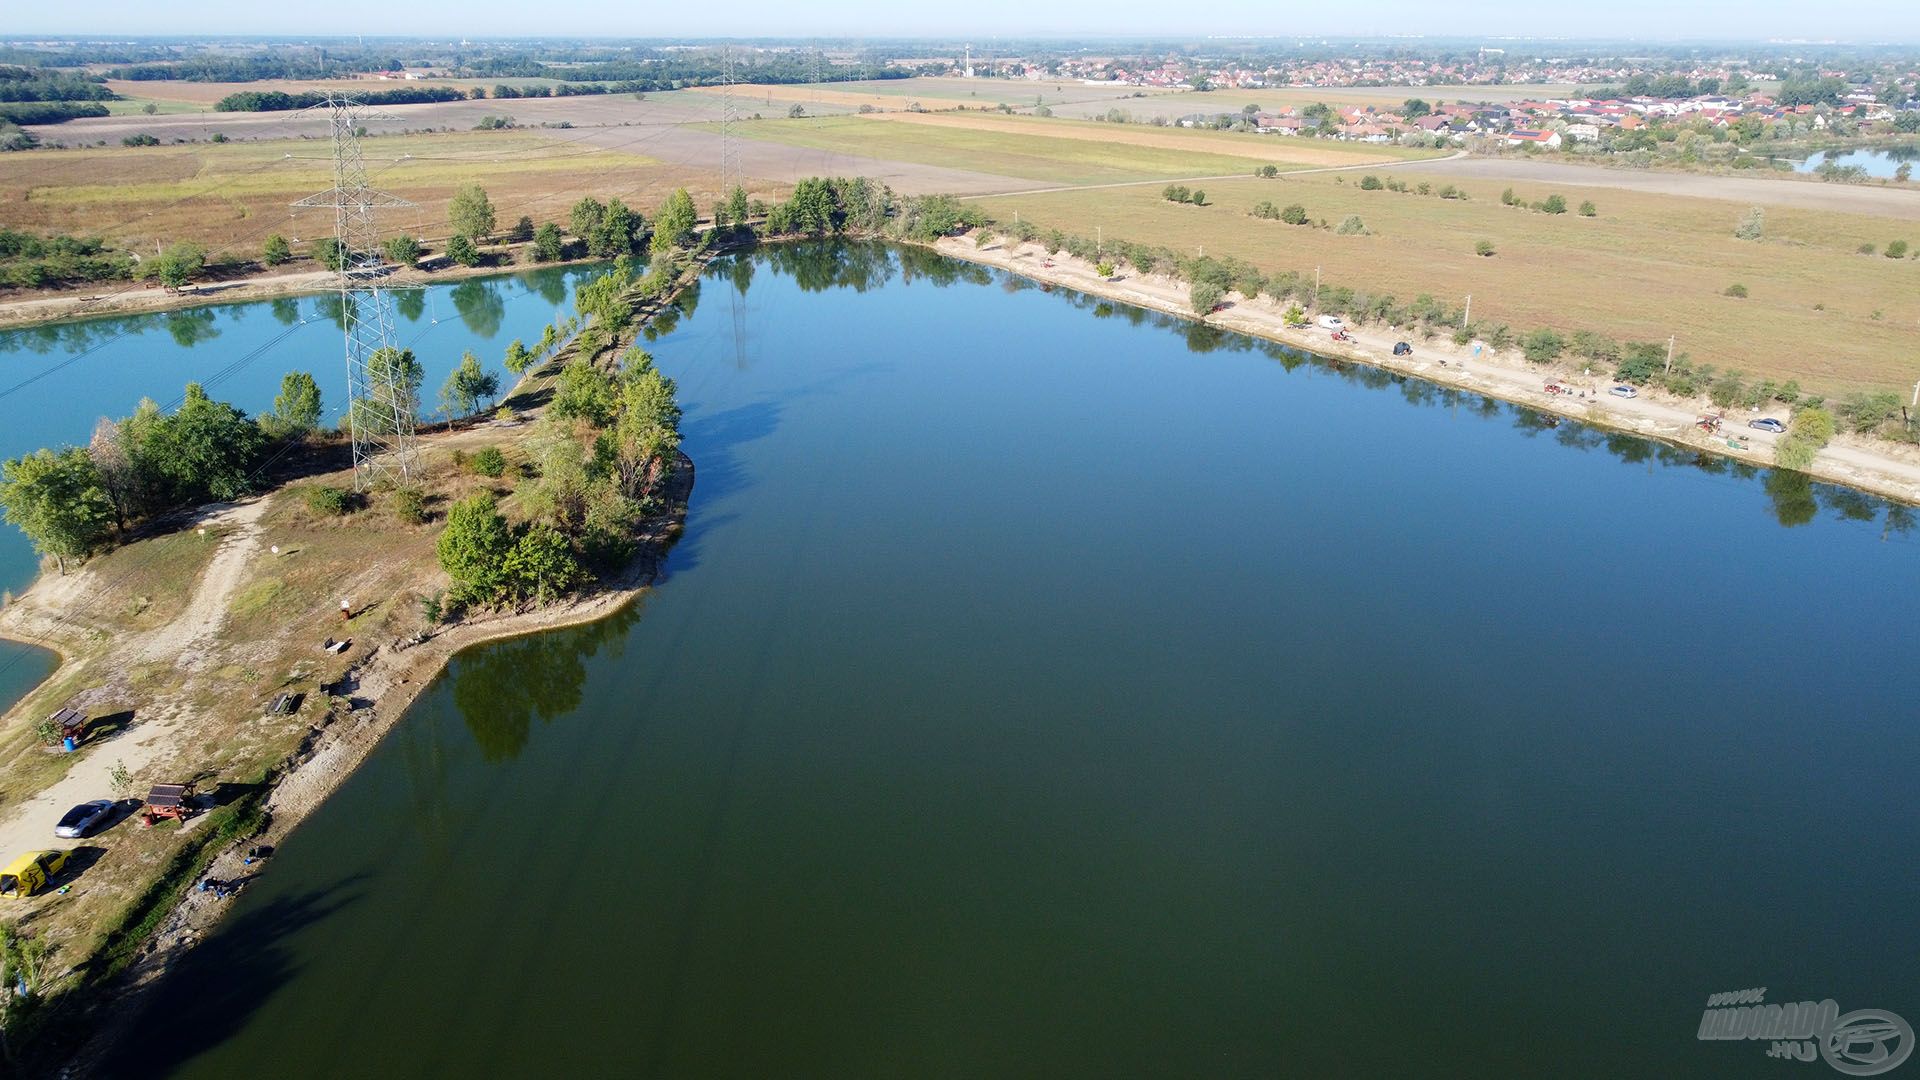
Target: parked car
30,873
1767,423
1332,322
1624,391
83,819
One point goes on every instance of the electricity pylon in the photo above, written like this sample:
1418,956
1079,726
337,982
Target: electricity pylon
380,398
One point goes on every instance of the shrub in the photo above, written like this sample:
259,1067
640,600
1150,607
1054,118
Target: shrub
1543,346
410,506
329,501
1866,249
1448,191
1737,291
1555,204
1752,226
1896,249
1205,296
1267,172
1369,182
1199,197
1587,209
489,462
1352,226
461,250
1864,413
1727,390
1508,198
1295,316
1483,248
1294,215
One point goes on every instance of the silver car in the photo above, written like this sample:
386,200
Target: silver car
83,819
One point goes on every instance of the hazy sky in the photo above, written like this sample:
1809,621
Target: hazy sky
1874,20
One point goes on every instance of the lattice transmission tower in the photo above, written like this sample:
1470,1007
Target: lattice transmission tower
380,402
730,176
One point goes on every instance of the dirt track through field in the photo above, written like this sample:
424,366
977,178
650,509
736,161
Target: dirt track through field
1277,149
1761,191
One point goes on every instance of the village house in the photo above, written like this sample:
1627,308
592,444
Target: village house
1549,139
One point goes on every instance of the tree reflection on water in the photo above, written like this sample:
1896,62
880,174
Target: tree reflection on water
500,688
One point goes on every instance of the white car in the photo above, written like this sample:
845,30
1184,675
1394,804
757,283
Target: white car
1332,322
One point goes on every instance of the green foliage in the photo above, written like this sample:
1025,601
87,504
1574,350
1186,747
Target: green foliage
541,564
1866,249
296,408
675,224
1295,315
393,387
276,250
1587,209
328,501
1865,413
1204,296
519,357
1370,182
585,393
1294,214
178,265
1752,226
461,249
1199,197
409,505
489,462
1896,249
1352,226
548,243
471,213
328,252
1737,291
401,250
1507,198
522,230
1554,204
1267,172
1727,390
1543,346
59,500
469,387
1176,193
473,549
205,450
1812,427
1266,210
1483,248
140,139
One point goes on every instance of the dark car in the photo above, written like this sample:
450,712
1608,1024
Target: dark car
1767,423
83,819
1401,348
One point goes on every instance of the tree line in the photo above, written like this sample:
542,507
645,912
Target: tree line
281,101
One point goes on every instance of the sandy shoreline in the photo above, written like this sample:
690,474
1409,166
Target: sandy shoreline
1883,468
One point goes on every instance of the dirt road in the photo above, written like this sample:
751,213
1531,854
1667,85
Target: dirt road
1884,201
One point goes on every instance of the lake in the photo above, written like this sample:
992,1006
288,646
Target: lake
1046,687
1880,164
57,380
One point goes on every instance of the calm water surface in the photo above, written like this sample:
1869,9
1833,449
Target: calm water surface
1043,689
1880,164
57,380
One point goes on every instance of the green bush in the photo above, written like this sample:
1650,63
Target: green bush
329,501
1352,226
1587,209
1896,249
1369,182
1483,248
489,462
1294,215
1543,346
1737,291
410,506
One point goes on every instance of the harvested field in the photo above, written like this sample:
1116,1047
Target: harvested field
1300,153
1648,266
1874,199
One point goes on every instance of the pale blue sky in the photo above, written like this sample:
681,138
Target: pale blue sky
1874,20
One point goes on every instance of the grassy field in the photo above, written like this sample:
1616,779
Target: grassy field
1051,151
232,193
1647,267
136,106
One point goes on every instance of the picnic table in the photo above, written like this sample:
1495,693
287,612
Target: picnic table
165,801
73,723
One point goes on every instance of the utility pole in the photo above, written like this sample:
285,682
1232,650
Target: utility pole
1670,341
380,409
1466,314
1316,285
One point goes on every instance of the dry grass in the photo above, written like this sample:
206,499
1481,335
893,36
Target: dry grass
1294,152
1647,267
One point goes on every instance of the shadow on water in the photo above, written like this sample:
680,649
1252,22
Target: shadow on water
217,985
500,688
713,441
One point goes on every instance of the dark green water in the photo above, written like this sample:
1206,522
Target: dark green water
1042,690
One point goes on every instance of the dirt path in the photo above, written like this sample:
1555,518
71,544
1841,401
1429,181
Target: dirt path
1369,166
185,640
1882,468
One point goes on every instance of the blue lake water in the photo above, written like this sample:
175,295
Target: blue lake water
1044,687
1880,164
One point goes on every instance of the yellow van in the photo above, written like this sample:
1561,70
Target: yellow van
30,873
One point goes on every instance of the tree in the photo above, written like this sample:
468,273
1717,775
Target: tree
1204,296
473,549
797,111
541,564
616,232
1543,346
737,206
296,408
548,243
59,500
519,357
1752,226
1905,172
468,387
585,392
1199,197
1896,249
393,385
522,230
1370,182
206,449
1555,204
471,212
276,250
401,250
1267,172
178,265
674,227
1414,109
329,252
461,250
1294,215
1352,226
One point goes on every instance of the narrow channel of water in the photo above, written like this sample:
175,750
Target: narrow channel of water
1043,687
